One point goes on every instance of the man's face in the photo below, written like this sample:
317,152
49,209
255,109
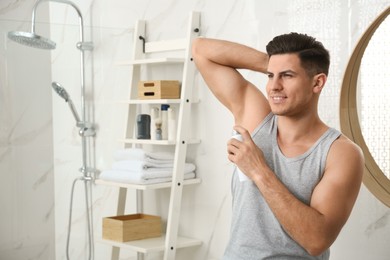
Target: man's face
289,88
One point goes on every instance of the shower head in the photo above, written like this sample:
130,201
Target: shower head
31,39
62,93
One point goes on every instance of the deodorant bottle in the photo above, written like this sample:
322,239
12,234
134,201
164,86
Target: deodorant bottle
241,176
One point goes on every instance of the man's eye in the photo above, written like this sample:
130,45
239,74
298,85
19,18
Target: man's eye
286,75
270,76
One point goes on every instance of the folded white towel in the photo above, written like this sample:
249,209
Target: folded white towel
138,166
130,165
136,177
140,154
150,168
152,160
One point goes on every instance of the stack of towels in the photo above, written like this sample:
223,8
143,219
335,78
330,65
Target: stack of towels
140,167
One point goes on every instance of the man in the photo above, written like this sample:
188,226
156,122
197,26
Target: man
304,175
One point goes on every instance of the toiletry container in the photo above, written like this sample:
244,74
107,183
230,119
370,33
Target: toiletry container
143,126
164,121
154,115
171,124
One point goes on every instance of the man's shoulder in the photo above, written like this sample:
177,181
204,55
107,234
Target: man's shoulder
343,147
343,142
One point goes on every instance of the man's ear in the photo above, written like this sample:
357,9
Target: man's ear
319,82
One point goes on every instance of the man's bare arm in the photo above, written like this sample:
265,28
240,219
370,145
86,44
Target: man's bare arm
218,61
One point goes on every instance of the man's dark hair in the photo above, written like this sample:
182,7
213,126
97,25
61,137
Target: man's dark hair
312,54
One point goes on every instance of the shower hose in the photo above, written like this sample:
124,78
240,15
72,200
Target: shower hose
88,202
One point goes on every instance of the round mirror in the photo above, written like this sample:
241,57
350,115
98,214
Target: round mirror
364,105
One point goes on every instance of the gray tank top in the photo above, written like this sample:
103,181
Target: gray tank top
255,232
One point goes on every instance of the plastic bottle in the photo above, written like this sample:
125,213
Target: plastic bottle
154,115
164,121
171,124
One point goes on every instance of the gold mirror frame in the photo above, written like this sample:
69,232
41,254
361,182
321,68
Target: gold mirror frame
374,179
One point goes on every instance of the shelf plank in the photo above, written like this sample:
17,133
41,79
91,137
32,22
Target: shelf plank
155,142
150,101
155,186
147,141
150,61
151,245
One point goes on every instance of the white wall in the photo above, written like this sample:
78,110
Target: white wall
206,207
26,145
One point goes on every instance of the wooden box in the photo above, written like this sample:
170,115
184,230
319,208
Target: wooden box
131,227
159,89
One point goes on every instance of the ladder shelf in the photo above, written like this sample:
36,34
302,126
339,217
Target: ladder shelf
144,55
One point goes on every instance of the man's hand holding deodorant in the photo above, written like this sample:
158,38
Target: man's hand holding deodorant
242,177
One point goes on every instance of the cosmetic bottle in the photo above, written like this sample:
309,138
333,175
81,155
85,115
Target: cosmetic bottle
154,115
171,124
164,121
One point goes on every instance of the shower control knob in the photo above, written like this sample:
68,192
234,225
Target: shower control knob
87,131
84,46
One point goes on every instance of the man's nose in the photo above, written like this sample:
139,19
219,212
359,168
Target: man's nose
275,84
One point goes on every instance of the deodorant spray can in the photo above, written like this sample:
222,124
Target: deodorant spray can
241,176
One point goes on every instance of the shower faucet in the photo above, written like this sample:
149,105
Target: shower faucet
86,128
34,40
62,93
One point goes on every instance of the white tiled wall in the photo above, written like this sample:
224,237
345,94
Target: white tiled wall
38,134
26,147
